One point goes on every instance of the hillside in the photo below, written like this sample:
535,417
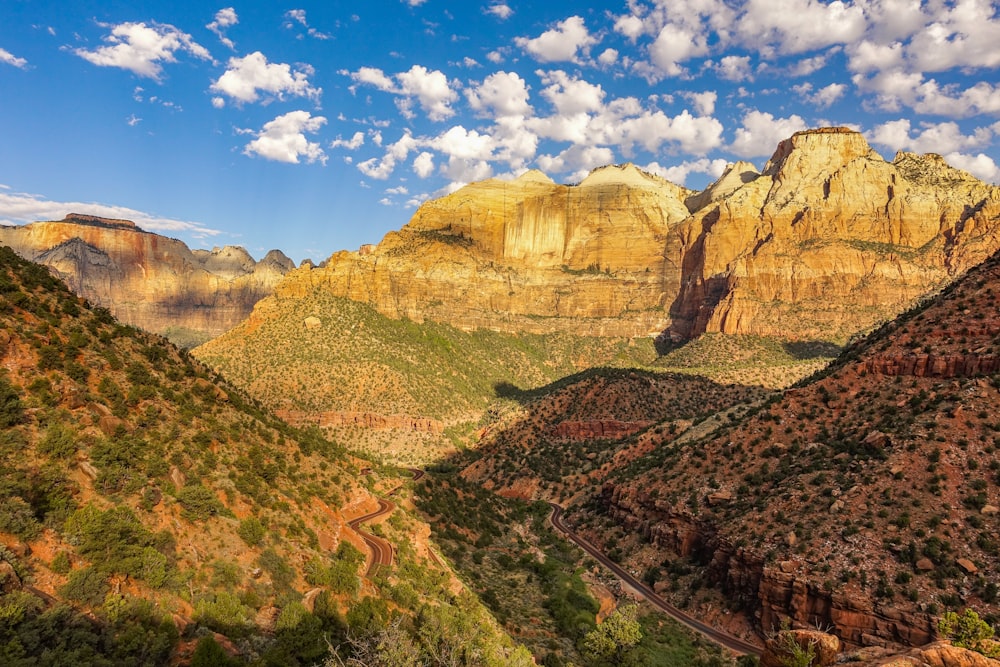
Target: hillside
150,514
864,500
409,392
828,239
147,280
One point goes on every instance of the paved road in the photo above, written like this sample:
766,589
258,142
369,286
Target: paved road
719,637
381,550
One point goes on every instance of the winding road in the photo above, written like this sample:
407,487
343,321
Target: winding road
381,550
719,637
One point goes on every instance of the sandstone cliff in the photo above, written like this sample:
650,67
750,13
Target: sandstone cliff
828,239
147,280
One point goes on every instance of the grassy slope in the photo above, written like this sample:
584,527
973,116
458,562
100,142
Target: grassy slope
138,488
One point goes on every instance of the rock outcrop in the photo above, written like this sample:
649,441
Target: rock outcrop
147,280
526,255
828,239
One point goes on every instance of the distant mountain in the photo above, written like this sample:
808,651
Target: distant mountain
147,280
827,240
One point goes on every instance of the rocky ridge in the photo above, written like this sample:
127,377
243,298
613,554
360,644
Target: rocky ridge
865,501
828,239
147,280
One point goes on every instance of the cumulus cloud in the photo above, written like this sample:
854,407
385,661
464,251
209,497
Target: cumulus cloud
423,164
10,59
500,9
980,165
284,139
579,159
734,68
500,94
246,78
142,49
224,18
703,102
944,137
796,26
821,98
679,173
430,87
761,132
20,208
566,42
354,143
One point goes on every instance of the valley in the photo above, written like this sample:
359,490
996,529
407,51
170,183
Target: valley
534,413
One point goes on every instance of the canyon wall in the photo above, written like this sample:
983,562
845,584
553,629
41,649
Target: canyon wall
147,280
827,240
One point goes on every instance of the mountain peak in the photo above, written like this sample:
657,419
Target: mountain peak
821,150
533,176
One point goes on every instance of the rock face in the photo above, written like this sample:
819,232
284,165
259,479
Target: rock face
147,280
524,255
828,239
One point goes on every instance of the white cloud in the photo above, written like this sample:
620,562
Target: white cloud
430,87
823,97
761,132
500,94
674,45
807,66
423,164
565,42
703,103
414,3
19,208
608,57
578,159
354,143
500,9
224,18
939,138
251,75
795,26
463,171
399,190
981,166
298,16
570,95
679,173
10,59
734,68
142,48
283,139
133,120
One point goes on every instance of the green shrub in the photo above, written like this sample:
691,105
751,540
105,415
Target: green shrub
87,585
199,502
252,531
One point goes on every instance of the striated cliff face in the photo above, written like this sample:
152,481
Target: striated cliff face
523,256
147,280
828,239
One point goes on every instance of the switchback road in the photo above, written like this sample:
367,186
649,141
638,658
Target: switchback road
719,637
381,550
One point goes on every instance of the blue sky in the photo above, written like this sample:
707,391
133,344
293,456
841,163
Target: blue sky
319,126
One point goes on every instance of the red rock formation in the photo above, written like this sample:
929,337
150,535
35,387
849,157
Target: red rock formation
600,429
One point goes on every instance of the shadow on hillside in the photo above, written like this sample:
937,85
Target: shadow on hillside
811,349
508,390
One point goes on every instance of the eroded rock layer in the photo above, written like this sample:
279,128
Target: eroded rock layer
147,280
828,239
